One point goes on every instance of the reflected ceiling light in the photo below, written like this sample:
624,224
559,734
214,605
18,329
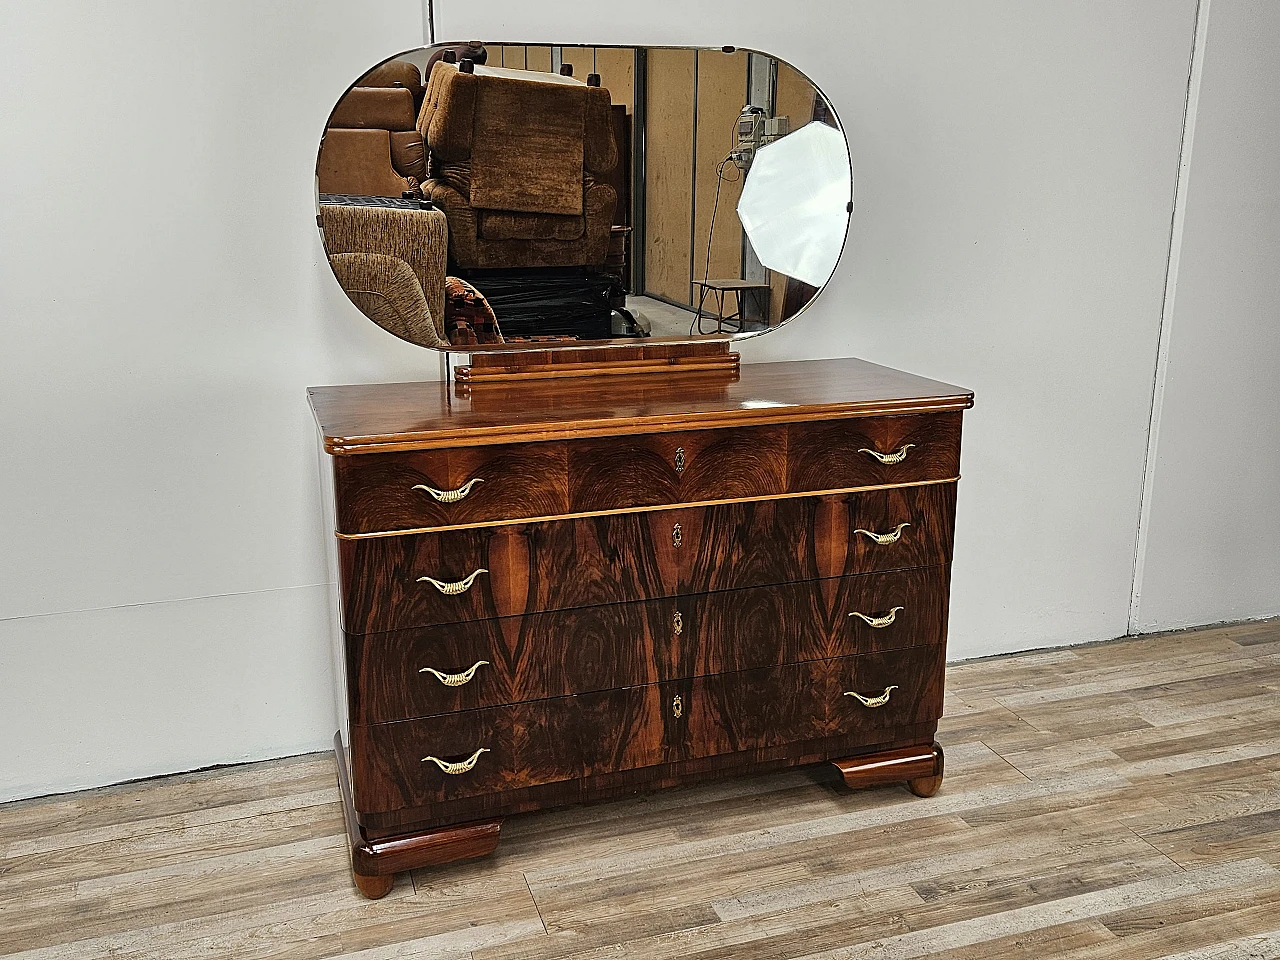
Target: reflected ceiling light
795,204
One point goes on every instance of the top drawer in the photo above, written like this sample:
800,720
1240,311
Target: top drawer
387,492
876,451
457,486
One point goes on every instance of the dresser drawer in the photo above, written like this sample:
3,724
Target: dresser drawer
454,667
873,451
618,473
433,488
506,750
760,709
479,752
392,583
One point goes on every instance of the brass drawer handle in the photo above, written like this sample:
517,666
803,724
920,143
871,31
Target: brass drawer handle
455,679
680,461
890,458
453,589
879,701
453,769
880,622
450,496
677,536
677,707
883,538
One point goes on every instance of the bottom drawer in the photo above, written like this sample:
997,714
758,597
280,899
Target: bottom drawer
474,755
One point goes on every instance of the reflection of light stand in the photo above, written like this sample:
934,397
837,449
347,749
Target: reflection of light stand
753,130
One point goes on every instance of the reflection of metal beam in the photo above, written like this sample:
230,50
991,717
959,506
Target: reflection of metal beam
639,101
762,91
429,21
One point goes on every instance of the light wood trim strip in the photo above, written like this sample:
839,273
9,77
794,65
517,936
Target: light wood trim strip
684,505
572,430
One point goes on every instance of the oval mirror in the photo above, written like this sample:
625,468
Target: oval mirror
489,196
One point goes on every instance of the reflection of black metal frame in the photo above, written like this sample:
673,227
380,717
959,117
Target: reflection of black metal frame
639,105
759,294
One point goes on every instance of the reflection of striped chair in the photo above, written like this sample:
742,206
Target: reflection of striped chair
397,242
387,292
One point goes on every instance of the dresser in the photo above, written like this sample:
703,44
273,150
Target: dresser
559,591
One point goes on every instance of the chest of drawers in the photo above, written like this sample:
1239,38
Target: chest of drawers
561,592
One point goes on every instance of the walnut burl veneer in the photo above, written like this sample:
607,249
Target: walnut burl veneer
565,590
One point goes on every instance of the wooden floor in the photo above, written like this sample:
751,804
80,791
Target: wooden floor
1114,801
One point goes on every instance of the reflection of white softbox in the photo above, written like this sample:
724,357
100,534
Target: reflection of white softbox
794,205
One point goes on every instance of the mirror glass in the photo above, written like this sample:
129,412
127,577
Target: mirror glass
482,196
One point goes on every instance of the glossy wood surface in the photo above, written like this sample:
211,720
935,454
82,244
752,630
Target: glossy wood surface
565,652
380,417
616,360
386,493
921,767
508,481
574,738
832,454
558,565
660,468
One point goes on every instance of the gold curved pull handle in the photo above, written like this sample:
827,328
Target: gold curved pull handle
879,701
453,589
455,679
880,622
680,461
677,535
883,538
453,769
677,623
677,707
450,496
890,458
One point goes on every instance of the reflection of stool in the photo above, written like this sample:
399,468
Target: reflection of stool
718,288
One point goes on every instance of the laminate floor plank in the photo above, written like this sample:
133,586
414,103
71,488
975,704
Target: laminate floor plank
1115,801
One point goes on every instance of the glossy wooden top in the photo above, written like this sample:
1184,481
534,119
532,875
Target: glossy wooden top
367,418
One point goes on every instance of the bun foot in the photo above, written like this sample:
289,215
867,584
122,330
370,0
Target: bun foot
919,767
925,786
375,862
375,888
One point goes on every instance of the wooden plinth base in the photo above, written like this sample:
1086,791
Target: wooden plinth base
374,863
920,767
713,358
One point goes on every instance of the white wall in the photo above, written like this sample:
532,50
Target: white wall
164,306
1213,538
165,302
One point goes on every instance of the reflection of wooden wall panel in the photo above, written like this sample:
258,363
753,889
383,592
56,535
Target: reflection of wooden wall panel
582,58
616,67
668,161
538,58
722,92
794,101
510,57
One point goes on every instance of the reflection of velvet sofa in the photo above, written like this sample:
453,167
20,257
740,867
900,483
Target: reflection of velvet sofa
517,164
371,144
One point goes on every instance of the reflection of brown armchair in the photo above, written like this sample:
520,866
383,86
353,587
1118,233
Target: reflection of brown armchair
517,165
371,144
